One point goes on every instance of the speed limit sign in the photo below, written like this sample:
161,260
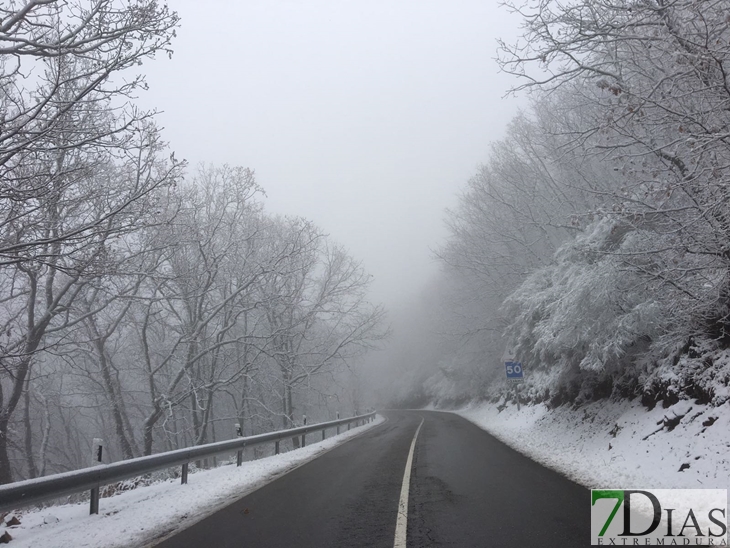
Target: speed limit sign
514,371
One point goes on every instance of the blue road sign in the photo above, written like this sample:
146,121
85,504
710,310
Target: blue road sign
514,371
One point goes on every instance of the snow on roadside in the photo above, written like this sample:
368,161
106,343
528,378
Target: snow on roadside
619,444
140,516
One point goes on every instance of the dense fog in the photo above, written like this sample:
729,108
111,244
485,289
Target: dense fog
339,208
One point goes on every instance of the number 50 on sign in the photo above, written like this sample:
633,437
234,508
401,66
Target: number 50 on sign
514,371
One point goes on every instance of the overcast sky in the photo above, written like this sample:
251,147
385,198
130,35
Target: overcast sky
365,116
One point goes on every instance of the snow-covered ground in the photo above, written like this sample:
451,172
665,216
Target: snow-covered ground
608,444
138,517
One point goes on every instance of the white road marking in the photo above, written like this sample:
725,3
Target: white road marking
402,522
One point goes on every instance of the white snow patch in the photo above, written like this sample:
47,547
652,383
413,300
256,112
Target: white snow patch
138,517
606,444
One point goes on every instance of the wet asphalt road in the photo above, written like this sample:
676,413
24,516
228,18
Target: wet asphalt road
467,489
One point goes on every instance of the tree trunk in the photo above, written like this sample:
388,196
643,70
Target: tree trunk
149,425
289,412
18,385
6,474
32,470
113,397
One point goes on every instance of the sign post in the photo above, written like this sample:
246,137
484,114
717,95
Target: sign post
514,371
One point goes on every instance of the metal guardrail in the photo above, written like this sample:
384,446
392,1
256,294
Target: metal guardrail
27,492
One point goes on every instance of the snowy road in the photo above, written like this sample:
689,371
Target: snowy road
466,489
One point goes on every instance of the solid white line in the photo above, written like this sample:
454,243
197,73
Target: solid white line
402,522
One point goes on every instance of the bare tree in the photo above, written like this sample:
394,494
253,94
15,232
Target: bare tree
43,281
59,62
317,310
656,75
200,296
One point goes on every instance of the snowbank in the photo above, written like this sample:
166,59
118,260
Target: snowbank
619,444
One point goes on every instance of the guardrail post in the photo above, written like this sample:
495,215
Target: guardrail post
276,447
184,477
239,453
94,501
97,448
323,433
338,426
304,436
348,426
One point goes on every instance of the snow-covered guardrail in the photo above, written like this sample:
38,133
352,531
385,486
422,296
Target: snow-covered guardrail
27,492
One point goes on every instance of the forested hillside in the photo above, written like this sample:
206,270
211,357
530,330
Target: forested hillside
596,238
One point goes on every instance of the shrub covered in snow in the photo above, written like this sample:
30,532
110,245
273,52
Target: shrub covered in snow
601,321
